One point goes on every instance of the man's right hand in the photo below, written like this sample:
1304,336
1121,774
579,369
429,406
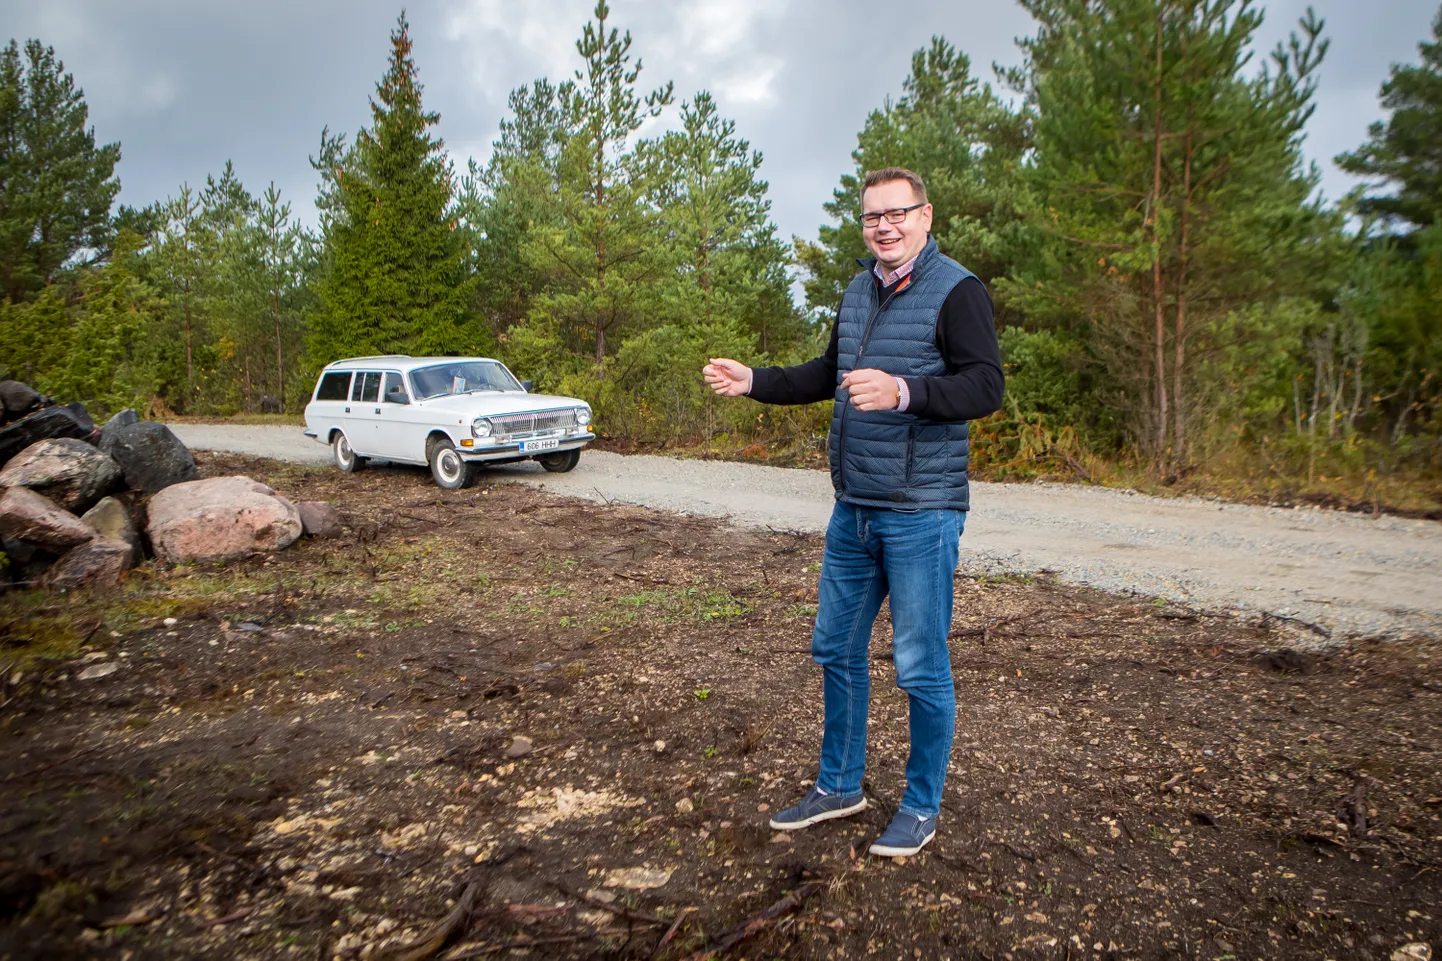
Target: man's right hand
727,377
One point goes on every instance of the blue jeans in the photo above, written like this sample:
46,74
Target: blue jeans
911,555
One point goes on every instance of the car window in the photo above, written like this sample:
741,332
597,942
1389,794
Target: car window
367,387
334,385
462,377
393,389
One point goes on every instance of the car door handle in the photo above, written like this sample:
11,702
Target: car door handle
378,410
347,410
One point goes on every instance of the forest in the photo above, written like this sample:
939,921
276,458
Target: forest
1177,303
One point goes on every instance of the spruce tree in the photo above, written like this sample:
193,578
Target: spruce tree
396,274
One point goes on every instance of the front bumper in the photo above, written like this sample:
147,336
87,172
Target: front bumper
512,449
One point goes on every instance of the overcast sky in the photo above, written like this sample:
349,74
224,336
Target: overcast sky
185,85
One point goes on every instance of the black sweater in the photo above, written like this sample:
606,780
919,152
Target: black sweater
965,336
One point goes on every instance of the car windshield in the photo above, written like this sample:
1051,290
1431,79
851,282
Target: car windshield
462,377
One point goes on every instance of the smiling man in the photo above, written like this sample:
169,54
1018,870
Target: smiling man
913,356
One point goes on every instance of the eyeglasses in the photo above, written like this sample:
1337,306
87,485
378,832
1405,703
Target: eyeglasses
892,216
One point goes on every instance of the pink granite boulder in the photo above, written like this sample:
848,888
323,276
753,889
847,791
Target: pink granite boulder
97,563
28,516
220,519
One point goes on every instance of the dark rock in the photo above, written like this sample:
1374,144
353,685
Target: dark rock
319,518
82,415
27,516
41,425
150,454
270,404
68,471
98,563
17,399
112,520
123,418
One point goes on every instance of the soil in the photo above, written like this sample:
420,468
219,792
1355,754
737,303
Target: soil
561,726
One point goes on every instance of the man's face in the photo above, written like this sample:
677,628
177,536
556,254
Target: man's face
895,244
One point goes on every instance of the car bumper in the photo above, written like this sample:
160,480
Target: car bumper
513,450
311,434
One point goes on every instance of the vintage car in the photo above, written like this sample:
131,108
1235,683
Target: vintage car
449,413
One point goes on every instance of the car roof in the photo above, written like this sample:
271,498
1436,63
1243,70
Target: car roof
402,362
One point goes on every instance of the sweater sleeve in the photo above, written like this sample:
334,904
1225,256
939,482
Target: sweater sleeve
966,336
800,384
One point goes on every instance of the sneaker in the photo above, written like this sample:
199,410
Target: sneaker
904,836
816,807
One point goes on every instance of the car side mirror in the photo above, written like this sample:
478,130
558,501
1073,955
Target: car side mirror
397,397
526,386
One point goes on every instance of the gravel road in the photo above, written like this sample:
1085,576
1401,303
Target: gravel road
1349,573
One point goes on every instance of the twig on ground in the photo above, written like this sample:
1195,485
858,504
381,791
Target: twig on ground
433,941
671,931
735,935
133,920
519,944
620,910
1314,628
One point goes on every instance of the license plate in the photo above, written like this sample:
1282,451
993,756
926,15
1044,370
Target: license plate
529,445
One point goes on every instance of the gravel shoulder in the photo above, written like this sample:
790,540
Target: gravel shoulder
1347,573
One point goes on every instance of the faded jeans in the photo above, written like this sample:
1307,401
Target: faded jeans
911,555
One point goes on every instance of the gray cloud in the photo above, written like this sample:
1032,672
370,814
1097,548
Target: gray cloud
185,86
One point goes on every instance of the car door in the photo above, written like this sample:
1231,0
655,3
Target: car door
363,413
401,435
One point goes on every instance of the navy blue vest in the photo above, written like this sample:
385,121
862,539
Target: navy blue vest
883,458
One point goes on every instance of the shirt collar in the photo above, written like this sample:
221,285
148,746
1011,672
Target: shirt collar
901,271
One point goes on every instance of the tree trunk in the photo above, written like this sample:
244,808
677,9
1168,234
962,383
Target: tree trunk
1179,430
1158,290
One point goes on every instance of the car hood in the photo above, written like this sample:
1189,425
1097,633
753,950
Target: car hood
489,403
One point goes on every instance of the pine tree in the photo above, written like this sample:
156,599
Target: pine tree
600,248
56,185
1406,149
396,274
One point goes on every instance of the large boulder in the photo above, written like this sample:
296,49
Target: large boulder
121,419
68,471
220,519
17,400
25,562
41,425
27,516
150,454
97,563
112,520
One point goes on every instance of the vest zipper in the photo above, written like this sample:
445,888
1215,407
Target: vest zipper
861,352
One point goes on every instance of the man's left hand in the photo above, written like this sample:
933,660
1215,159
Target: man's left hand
871,389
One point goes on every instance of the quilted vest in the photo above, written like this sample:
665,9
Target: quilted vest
884,458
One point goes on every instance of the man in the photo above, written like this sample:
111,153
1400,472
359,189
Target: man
913,356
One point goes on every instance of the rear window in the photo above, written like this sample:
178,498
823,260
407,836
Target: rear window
333,386
367,387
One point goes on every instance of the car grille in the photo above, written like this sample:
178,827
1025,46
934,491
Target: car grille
531,425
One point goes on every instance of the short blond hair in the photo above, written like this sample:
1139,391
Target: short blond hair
888,175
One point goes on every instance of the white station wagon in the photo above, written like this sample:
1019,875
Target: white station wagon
450,413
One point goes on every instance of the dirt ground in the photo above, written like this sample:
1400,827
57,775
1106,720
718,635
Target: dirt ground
498,723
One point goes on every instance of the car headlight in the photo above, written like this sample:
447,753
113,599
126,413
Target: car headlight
583,416
481,427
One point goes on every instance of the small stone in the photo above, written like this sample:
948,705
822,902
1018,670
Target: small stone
782,837
96,671
170,622
685,806
319,518
762,808
1415,951
520,746
660,747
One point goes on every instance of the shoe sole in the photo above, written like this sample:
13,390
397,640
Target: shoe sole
887,851
818,818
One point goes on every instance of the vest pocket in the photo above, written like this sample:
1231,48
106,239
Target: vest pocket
910,454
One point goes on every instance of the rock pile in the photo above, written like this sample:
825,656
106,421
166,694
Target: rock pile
80,506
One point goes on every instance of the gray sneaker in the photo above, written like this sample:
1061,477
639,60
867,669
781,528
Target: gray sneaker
816,807
904,836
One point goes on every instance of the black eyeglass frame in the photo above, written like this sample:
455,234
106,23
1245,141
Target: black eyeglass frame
893,216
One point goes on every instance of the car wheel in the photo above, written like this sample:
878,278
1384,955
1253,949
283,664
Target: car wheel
345,458
561,461
450,471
